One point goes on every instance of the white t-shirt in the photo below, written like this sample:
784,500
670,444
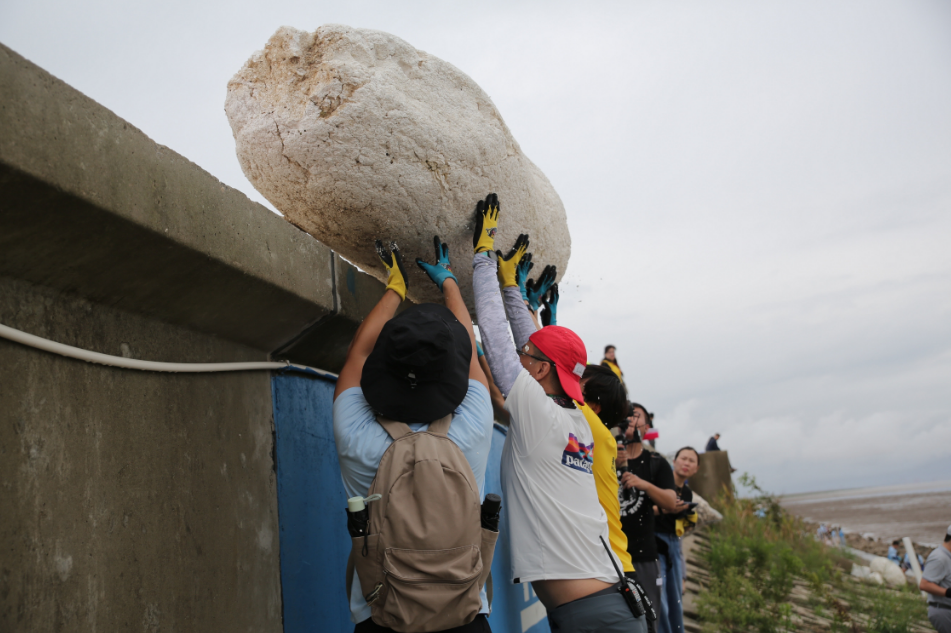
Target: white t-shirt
549,494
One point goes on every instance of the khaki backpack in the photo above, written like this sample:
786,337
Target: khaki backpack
425,557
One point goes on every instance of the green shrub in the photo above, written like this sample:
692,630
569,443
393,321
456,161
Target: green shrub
756,554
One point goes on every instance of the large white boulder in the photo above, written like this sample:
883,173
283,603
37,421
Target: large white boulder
891,572
354,135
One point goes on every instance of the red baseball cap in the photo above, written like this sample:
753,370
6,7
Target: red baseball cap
567,351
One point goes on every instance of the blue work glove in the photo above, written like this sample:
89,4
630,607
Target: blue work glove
550,301
536,288
479,349
521,274
442,269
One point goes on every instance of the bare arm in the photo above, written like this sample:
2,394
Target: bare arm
934,589
457,306
365,339
538,325
665,499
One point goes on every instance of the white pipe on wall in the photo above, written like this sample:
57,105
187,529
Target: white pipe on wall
69,351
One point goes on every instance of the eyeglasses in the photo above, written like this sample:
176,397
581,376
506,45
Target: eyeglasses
524,352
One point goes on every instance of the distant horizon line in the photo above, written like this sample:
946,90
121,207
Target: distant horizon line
940,485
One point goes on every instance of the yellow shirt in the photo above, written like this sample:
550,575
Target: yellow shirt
605,478
617,371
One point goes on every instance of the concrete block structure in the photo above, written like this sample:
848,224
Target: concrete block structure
135,500
714,476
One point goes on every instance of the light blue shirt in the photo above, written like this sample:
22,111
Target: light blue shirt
893,554
361,442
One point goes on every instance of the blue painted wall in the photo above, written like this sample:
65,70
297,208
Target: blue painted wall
313,528
311,506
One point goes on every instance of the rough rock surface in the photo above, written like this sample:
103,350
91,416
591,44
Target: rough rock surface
891,572
705,512
355,135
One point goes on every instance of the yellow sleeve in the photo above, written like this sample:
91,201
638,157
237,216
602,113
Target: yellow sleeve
605,479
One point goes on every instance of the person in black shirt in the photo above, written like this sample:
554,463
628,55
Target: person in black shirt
712,443
672,564
644,479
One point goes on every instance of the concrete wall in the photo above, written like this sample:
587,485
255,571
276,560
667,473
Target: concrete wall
133,500
714,476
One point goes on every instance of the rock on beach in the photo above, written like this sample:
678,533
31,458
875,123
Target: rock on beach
889,571
355,135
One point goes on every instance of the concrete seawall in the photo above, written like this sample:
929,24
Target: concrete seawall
138,500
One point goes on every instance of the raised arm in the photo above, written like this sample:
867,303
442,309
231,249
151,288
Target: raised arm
513,271
499,349
523,325
496,340
365,338
441,274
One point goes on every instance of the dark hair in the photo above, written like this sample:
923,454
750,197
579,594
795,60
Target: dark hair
947,537
602,386
688,448
896,542
607,347
647,416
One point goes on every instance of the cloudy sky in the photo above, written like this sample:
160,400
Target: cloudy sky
759,193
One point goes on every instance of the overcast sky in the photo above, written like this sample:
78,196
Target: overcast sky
759,193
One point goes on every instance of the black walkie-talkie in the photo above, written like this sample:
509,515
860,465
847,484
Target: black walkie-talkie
631,597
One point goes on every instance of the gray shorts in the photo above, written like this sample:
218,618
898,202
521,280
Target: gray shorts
604,614
940,619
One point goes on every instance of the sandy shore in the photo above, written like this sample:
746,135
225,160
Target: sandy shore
924,516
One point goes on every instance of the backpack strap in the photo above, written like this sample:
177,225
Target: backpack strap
441,426
395,429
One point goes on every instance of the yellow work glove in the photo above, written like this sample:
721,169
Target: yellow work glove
393,262
682,525
487,224
508,265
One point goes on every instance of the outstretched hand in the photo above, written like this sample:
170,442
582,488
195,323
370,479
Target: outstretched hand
536,288
393,262
487,224
521,274
550,301
509,263
442,269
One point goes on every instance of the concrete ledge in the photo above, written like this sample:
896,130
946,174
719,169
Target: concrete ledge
93,207
714,476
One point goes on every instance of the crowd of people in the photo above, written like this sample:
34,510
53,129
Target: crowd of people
833,536
935,580
594,516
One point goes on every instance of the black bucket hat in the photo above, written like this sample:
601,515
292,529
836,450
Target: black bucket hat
418,371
